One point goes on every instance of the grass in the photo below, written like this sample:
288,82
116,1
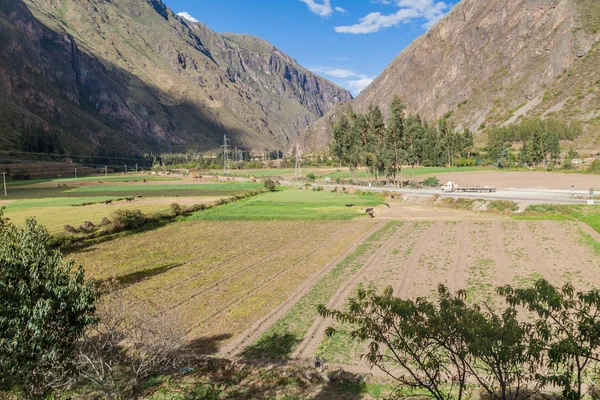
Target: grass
110,178
148,190
584,213
53,202
282,338
294,204
209,188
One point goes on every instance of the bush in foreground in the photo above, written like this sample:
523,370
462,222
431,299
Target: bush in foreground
442,346
45,307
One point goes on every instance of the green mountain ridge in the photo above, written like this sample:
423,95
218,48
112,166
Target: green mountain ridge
128,77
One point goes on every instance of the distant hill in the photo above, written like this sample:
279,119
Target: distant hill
495,61
129,76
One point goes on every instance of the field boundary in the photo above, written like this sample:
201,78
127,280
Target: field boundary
317,330
234,348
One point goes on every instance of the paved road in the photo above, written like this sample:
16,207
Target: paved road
521,196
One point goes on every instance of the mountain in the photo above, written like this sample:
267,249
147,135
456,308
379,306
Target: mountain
129,76
495,61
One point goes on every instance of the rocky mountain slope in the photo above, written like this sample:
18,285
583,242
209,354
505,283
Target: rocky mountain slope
492,62
129,76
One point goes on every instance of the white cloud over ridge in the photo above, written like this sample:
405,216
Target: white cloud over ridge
354,81
187,16
429,10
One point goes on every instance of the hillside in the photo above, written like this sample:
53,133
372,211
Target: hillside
491,62
127,77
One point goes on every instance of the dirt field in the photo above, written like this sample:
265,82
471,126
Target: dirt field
473,255
522,179
218,278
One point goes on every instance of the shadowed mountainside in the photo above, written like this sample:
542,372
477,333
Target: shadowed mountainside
107,77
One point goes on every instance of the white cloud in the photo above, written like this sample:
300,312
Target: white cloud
187,16
340,10
357,86
354,85
381,2
428,10
321,8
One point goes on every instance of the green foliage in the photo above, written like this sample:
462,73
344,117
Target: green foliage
540,138
270,185
594,167
45,307
365,140
567,331
128,219
439,346
431,181
311,177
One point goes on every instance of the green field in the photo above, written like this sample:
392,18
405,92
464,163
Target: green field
293,204
208,188
118,191
102,178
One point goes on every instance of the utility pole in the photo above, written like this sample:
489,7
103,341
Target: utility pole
125,168
136,168
225,154
105,171
4,180
298,168
75,173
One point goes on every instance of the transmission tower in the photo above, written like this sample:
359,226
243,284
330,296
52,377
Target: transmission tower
298,168
225,154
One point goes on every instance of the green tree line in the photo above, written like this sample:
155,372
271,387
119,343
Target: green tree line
540,142
384,147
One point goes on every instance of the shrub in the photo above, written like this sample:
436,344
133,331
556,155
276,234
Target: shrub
311,177
176,209
45,307
432,181
128,219
269,185
594,167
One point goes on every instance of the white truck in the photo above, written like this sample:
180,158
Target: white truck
452,187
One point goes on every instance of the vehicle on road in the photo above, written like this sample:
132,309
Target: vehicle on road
452,187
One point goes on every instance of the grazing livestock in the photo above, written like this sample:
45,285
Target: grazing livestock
349,205
371,214
139,196
100,182
107,202
393,197
129,199
388,206
369,210
145,180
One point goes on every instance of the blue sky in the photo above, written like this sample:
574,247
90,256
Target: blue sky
349,42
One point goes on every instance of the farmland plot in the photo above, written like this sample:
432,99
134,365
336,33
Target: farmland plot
474,255
218,278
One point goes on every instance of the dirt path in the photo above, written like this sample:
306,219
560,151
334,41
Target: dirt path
317,331
238,344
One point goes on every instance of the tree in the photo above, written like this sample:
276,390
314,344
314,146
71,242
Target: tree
567,331
439,346
45,307
413,142
394,142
